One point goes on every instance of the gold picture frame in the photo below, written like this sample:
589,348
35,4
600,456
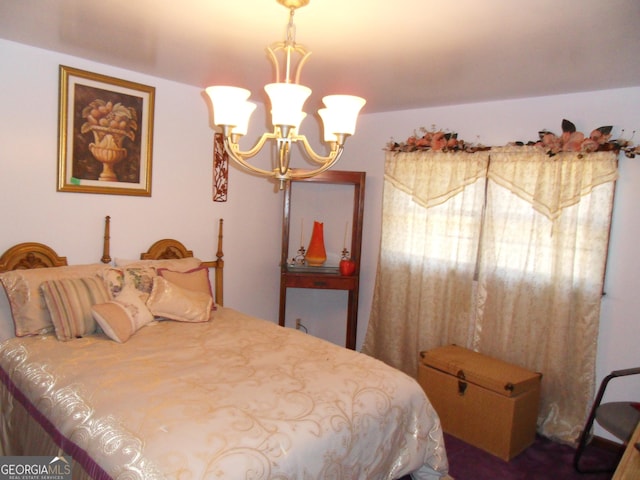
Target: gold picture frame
105,134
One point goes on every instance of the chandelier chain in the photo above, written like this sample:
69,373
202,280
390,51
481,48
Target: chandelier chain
291,29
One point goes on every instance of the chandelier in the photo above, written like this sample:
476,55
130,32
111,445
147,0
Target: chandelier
232,110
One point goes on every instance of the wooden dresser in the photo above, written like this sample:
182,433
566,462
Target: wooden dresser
629,466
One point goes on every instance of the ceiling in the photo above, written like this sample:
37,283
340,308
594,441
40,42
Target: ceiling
397,54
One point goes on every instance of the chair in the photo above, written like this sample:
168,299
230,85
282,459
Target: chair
618,418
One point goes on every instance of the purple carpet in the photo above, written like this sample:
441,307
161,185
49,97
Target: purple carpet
544,460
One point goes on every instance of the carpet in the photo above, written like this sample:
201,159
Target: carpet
544,460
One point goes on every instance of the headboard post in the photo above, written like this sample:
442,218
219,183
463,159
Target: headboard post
106,245
219,268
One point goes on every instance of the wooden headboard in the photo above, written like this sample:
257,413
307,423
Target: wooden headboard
169,248
37,255
30,255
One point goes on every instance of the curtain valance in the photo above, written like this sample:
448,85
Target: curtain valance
420,174
551,183
548,183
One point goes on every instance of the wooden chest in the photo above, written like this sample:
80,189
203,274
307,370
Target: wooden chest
481,400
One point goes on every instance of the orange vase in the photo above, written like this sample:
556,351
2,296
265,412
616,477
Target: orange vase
316,254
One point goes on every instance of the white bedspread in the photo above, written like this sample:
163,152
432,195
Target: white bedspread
236,397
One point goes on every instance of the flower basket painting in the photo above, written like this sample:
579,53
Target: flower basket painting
106,134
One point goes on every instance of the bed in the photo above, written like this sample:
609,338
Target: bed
196,390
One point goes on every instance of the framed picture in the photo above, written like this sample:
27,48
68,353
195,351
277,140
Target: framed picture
105,134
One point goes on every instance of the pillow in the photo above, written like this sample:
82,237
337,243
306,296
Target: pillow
176,264
28,308
121,318
131,286
176,303
196,279
7,329
69,302
138,279
114,320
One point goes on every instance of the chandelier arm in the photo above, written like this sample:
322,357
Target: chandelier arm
253,150
301,62
236,155
274,60
304,56
313,155
284,156
296,174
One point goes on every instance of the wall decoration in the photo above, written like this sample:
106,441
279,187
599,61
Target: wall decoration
220,169
105,134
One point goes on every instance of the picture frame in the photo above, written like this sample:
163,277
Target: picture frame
105,134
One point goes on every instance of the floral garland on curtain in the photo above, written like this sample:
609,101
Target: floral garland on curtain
599,140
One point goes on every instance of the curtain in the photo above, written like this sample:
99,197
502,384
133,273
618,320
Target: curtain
432,205
503,252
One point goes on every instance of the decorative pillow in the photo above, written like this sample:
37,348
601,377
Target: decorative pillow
196,279
176,264
114,320
170,301
28,308
138,279
7,330
121,318
137,308
69,302
131,286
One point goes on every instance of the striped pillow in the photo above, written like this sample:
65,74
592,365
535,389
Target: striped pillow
69,302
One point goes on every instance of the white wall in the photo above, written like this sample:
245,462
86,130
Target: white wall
181,205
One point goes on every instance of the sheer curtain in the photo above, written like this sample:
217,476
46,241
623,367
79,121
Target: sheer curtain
432,207
503,252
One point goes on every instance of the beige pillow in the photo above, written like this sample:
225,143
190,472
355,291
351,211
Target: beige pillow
69,301
28,307
121,318
196,279
114,320
176,303
7,330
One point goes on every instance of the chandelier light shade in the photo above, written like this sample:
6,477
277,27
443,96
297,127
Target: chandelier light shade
232,111
232,107
340,115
